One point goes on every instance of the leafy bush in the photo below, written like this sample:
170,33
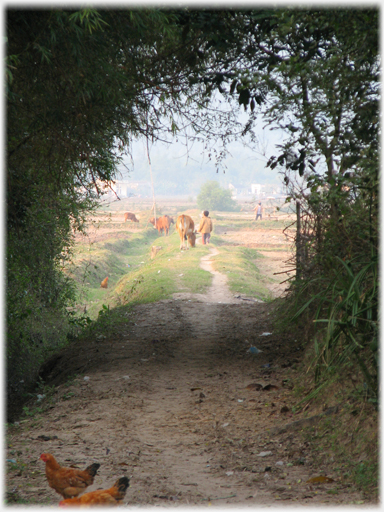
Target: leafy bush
213,197
336,286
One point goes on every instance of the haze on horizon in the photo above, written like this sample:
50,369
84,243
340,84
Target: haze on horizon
177,169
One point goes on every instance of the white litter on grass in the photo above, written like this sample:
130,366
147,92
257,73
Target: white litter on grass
229,473
240,401
181,275
264,454
225,425
126,377
86,378
265,334
158,271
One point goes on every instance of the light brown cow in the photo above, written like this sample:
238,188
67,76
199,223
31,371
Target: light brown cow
130,216
162,224
186,227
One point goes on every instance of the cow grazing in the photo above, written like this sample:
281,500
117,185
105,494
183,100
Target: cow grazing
162,224
130,216
186,227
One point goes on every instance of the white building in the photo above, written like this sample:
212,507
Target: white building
256,189
129,188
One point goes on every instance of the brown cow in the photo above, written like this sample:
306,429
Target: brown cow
185,227
162,224
130,216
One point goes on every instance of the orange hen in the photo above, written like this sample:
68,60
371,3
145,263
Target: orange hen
107,497
68,482
104,283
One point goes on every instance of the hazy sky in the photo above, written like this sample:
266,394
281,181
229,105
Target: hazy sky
175,156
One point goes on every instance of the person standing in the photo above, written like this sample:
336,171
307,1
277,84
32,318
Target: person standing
259,211
205,227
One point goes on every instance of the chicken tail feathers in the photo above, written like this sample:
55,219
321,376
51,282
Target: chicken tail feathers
92,469
122,485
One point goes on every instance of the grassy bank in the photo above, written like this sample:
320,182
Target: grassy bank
240,265
123,253
169,272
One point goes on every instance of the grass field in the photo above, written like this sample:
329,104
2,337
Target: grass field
122,251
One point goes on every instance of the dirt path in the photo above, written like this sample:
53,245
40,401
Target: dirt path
219,292
166,401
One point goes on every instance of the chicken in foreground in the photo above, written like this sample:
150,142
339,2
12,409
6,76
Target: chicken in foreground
69,482
107,497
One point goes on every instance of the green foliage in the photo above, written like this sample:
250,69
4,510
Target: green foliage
325,83
240,266
213,197
338,289
80,84
349,305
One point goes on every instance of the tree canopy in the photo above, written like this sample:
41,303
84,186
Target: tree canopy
214,197
81,83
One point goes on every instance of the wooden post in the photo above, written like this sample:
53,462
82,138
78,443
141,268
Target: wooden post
153,188
298,242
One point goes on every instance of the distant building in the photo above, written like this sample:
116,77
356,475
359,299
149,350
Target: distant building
257,189
129,188
238,190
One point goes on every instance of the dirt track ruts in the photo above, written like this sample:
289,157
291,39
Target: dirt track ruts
166,403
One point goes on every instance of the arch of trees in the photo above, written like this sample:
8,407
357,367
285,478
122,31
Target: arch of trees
80,84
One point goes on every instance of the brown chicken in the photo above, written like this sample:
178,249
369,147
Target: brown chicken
107,497
68,482
104,283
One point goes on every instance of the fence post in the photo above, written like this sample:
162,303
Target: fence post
298,242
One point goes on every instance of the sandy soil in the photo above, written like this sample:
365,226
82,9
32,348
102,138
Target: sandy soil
175,401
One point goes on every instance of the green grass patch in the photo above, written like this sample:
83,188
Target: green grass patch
136,278
115,257
243,274
169,272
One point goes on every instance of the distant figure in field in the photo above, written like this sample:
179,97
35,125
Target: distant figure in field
104,283
205,227
259,211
